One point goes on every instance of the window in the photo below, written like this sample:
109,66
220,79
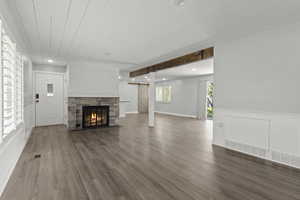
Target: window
159,94
50,91
19,90
163,94
8,69
11,86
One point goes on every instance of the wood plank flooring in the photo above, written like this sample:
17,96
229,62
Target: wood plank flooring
173,161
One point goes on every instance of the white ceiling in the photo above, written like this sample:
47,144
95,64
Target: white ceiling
200,68
204,67
138,32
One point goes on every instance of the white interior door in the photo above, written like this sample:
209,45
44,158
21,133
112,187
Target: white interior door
49,99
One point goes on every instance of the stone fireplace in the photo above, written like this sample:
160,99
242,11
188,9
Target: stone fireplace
92,112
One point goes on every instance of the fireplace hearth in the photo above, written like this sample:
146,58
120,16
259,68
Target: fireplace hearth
95,116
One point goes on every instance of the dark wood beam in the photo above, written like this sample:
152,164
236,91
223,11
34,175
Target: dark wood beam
138,83
182,60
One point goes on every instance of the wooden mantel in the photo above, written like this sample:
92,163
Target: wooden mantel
189,58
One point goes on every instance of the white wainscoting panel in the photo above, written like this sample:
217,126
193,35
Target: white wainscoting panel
249,131
285,136
285,140
272,136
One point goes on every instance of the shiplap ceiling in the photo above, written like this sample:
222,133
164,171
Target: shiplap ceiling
134,33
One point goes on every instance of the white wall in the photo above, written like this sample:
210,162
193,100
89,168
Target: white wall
257,83
28,82
28,96
49,68
260,72
93,79
129,93
188,95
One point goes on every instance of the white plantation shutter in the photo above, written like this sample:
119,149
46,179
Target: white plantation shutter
11,86
8,76
19,89
1,94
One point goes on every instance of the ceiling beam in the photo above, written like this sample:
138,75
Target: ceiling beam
138,83
175,62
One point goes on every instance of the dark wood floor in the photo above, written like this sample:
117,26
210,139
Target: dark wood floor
175,160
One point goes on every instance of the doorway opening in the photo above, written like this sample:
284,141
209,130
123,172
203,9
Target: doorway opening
209,101
143,98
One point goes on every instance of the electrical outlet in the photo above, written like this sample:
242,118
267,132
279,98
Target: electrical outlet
220,124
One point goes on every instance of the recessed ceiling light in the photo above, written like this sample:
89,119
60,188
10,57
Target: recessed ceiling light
194,69
119,77
133,79
146,77
164,79
50,61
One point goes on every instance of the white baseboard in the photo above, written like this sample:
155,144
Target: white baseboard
176,114
271,136
132,112
122,115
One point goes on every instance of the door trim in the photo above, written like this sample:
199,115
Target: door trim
63,75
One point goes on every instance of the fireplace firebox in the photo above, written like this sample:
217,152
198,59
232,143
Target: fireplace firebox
95,116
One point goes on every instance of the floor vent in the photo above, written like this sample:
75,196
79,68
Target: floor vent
247,149
37,156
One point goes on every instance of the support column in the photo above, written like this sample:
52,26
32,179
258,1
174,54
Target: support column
151,105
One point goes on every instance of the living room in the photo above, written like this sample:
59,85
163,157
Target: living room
174,99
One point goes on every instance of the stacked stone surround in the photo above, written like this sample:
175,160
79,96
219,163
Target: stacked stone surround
75,105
